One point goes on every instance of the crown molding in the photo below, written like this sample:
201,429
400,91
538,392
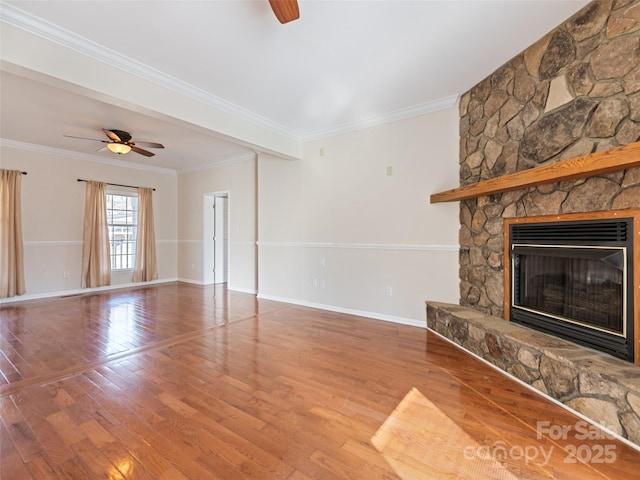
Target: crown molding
394,116
53,33
31,147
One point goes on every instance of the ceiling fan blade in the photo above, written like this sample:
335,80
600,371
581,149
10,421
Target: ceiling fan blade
101,149
285,10
85,138
112,135
123,138
147,144
141,151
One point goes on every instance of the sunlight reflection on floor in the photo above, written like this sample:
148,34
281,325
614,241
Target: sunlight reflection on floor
122,328
418,439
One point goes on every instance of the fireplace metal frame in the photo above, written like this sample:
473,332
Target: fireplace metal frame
633,306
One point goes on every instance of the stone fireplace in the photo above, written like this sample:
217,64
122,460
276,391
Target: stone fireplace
573,94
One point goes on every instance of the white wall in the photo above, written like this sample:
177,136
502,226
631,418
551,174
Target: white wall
239,180
336,231
53,212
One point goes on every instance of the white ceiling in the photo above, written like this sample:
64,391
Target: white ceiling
343,65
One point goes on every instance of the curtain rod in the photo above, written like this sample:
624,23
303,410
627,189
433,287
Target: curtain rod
113,184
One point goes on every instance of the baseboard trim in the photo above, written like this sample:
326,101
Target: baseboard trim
242,290
360,313
188,280
84,291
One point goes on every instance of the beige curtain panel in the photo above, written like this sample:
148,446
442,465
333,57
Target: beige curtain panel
11,247
146,267
96,254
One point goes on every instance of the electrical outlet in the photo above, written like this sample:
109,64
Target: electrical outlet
315,283
322,284
323,263
388,291
65,274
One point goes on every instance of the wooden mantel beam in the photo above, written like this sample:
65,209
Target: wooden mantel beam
598,163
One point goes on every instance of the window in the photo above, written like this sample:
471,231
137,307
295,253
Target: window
122,219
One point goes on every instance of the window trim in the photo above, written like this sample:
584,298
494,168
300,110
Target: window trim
122,193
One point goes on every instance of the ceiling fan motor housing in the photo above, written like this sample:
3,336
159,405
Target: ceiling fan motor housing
122,135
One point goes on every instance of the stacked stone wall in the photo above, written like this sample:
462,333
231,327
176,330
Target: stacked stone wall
574,92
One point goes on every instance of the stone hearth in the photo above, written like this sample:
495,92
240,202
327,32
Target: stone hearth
599,386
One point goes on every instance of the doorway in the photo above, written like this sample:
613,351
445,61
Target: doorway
215,238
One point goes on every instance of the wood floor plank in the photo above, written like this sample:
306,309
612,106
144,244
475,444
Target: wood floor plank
12,464
72,469
55,447
178,381
40,468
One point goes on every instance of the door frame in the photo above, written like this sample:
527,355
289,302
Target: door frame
208,246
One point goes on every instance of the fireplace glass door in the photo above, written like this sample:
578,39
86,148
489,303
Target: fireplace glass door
579,285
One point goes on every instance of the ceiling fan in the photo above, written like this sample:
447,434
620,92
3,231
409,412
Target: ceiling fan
285,10
121,143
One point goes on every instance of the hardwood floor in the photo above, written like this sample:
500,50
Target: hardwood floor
177,381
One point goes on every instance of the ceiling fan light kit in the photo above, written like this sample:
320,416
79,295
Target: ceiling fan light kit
119,148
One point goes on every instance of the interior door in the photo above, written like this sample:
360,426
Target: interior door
208,229
221,239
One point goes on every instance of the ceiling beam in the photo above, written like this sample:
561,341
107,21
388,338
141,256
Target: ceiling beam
31,55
